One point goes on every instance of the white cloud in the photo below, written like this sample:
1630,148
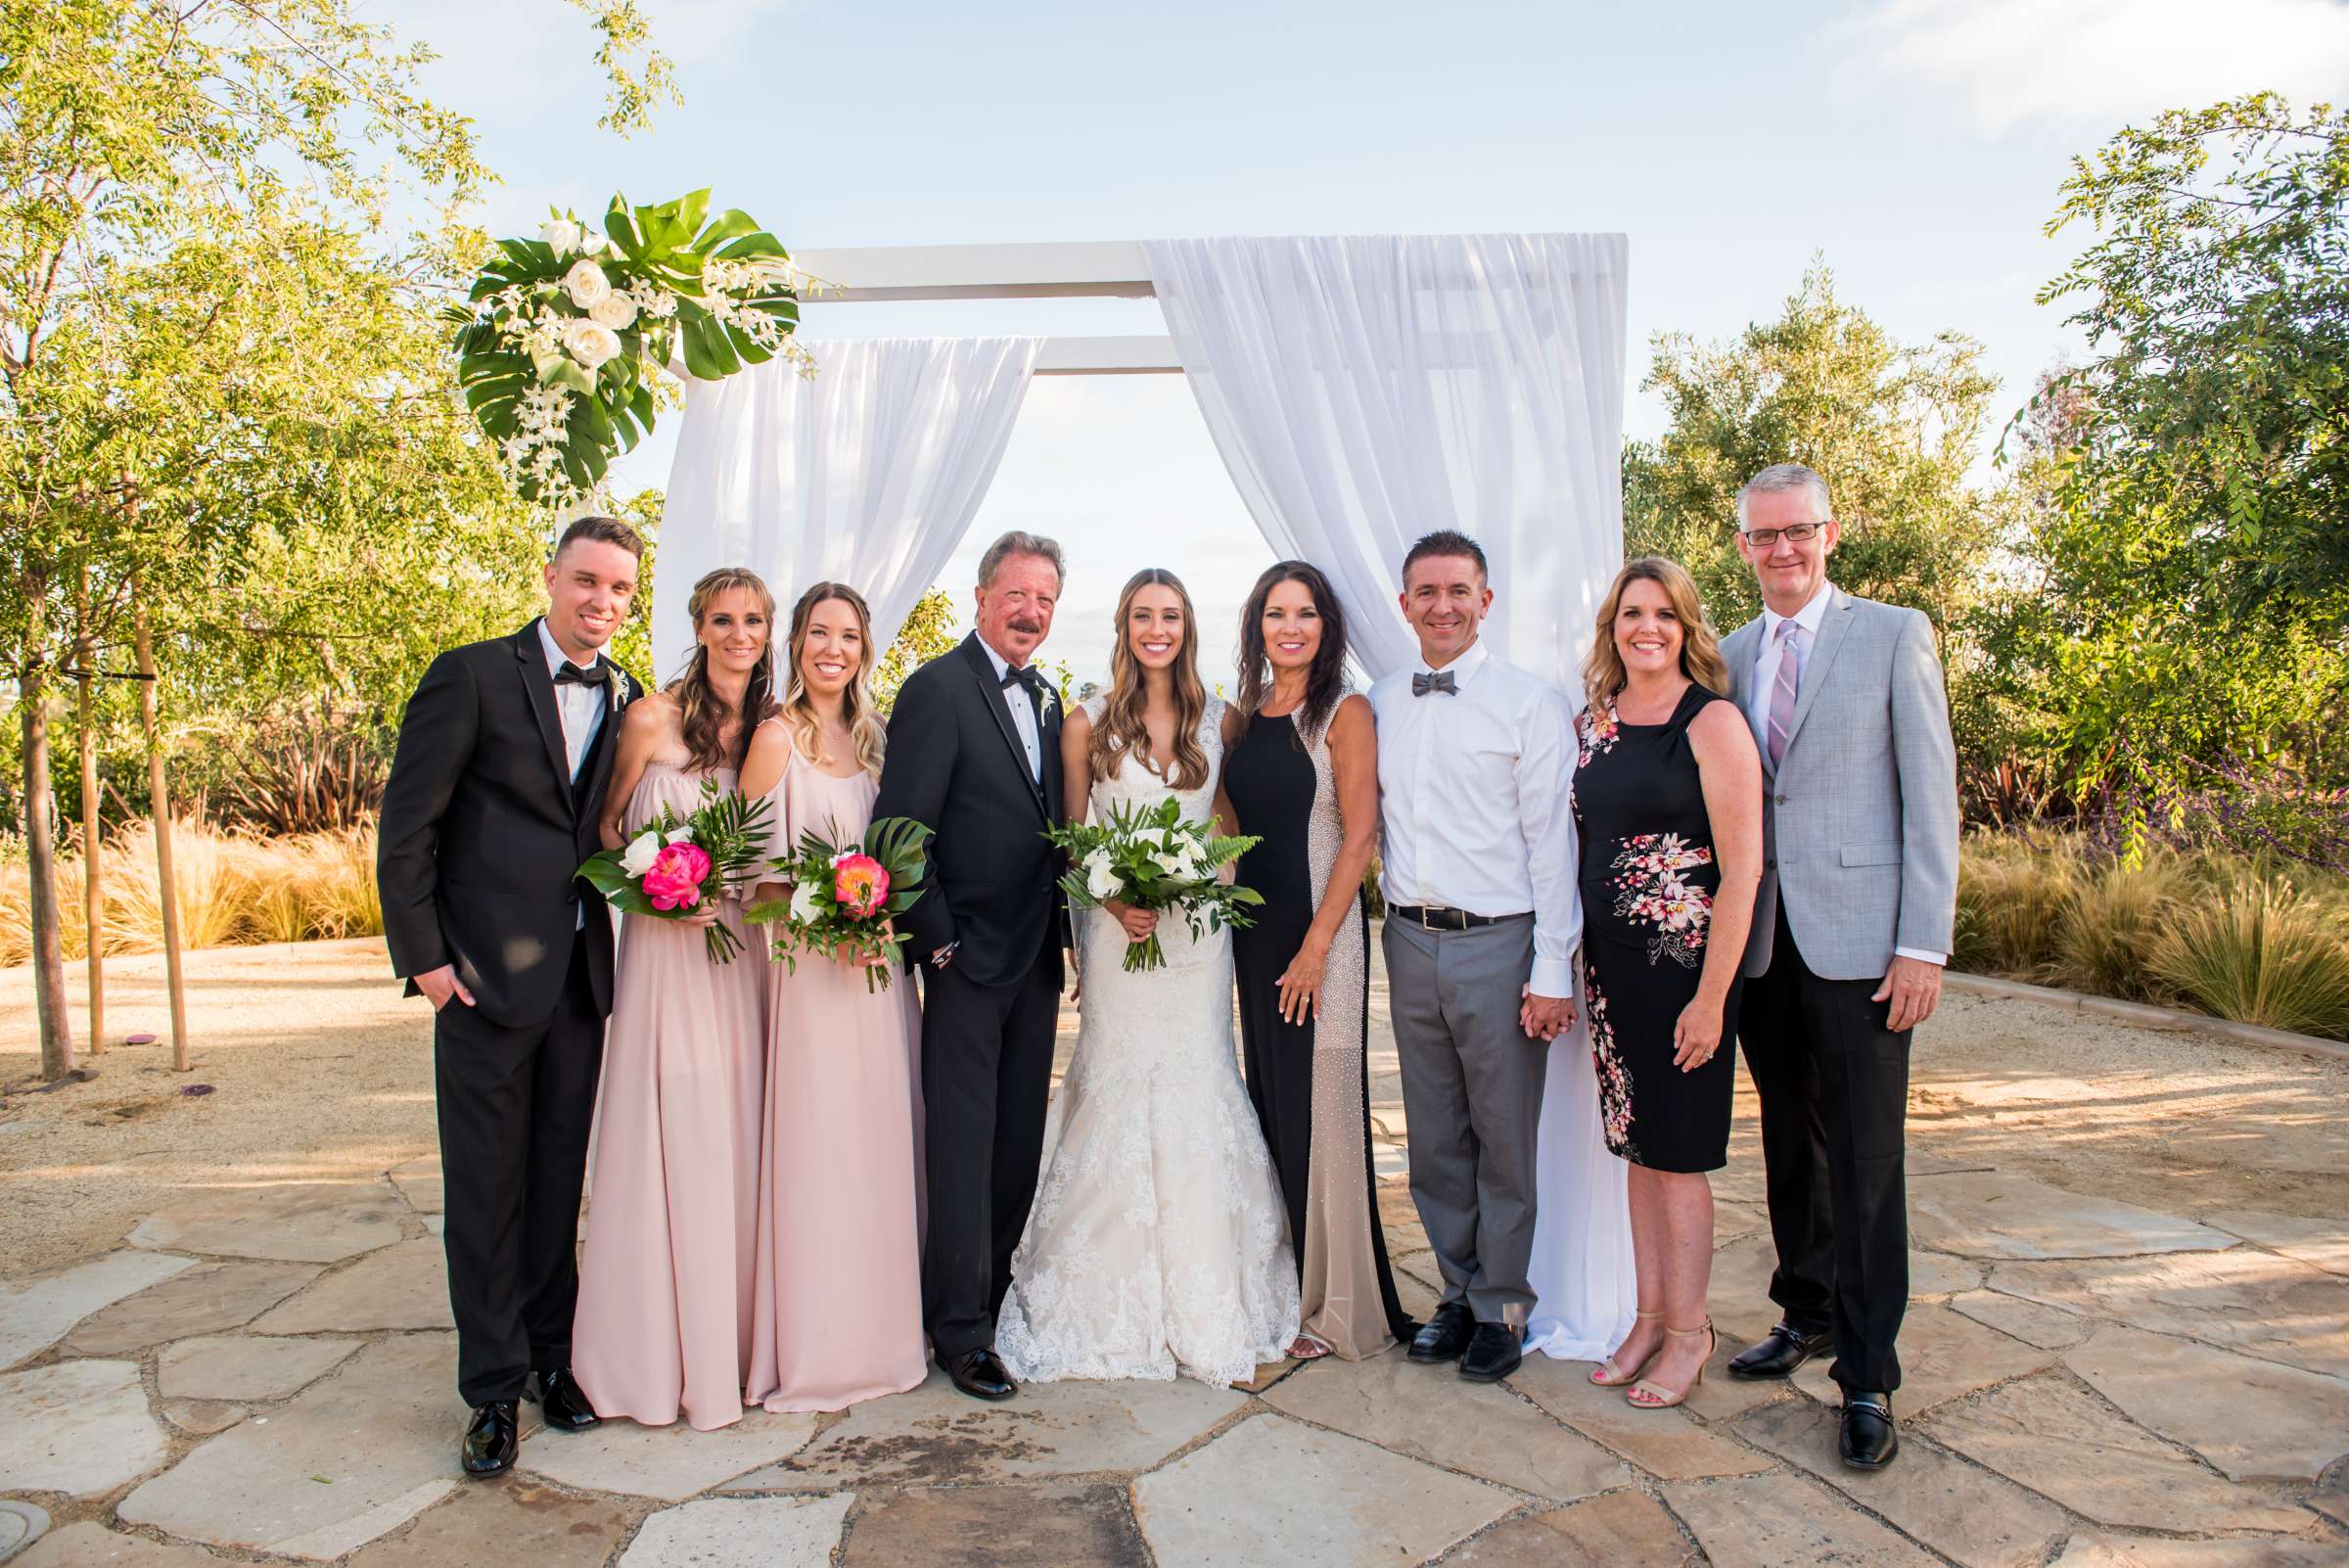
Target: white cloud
2069,63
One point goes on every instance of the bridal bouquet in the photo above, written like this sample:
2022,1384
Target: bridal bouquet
1150,858
670,866
844,897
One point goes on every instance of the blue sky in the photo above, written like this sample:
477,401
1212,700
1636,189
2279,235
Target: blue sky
1917,144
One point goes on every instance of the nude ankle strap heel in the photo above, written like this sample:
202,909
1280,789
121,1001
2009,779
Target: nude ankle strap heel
1646,1396
1609,1376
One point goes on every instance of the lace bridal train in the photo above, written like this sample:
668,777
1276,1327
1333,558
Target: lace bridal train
1158,1243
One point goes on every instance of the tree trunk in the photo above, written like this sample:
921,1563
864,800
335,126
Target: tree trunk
158,800
41,811
93,896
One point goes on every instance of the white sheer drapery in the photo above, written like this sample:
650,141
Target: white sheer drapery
1364,392
867,474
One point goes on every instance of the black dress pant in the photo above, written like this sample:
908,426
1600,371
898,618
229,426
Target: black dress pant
516,1106
1833,1083
986,1078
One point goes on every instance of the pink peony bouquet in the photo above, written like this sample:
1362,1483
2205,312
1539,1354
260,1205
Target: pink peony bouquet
669,869
844,896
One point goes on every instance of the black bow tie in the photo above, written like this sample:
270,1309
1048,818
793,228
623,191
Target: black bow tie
1422,684
1022,676
571,675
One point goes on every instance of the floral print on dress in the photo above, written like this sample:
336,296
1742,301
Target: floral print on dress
1614,1082
1652,889
1596,732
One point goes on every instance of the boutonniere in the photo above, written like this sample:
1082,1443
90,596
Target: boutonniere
615,685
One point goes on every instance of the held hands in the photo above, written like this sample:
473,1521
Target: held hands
1138,923
1301,983
1914,988
1698,1036
439,984
1545,1017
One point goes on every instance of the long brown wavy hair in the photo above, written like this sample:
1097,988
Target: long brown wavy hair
1325,678
702,713
865,728
1122,728
1603,674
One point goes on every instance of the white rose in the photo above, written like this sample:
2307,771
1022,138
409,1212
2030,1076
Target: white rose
590,345
683,835
562,236
805,902
616,311
1100,874
637,858
586,285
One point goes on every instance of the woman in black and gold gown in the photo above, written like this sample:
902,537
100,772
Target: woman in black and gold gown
1300,773
1668,804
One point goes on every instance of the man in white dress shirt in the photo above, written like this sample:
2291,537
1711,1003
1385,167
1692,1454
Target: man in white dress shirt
1851,927
1475,761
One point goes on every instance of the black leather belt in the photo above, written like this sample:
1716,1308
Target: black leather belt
1431,918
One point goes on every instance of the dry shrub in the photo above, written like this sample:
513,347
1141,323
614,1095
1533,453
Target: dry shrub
2114,917
2012,894
2263,953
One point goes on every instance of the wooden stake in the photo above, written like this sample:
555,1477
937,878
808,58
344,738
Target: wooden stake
159,804
40,808
93,896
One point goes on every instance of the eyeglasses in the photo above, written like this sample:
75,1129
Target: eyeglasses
1794,534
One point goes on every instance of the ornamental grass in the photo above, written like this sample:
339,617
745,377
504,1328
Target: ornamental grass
2262,953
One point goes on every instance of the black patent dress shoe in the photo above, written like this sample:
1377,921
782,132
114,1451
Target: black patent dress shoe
564,1403
492,1438
1495,1350
1779,1352
1445,1335
1867,1441
981,1374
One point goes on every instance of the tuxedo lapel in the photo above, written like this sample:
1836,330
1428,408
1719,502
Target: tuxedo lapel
1832,630
991,692
596,771
539,683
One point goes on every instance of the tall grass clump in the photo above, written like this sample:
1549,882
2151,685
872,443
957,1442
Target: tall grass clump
2012,890
2114,917
2262,954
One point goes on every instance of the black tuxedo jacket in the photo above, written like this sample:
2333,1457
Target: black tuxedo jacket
955,763
482,830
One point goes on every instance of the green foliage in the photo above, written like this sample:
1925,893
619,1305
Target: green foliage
2188,528
1150,858
629,106
1892,427
2261,954
928,632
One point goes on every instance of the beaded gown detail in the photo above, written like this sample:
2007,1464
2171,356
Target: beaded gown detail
1158,1244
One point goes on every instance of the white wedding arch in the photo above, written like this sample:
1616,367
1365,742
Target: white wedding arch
1360,392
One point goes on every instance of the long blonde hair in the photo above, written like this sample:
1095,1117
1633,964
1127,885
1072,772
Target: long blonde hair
865,728
702,713
1603,674
1124,726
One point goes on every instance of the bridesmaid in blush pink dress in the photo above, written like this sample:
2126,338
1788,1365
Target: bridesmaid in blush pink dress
838,1313
664,1323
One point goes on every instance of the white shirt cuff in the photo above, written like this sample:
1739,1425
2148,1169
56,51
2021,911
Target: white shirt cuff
1937,959
1552,977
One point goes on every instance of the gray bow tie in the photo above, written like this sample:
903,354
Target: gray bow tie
1440,680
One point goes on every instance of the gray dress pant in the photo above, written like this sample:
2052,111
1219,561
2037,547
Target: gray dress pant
1472,1089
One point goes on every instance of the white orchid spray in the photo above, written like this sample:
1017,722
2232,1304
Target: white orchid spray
565,334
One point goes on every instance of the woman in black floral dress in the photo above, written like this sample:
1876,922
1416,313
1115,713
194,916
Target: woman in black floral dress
1668,802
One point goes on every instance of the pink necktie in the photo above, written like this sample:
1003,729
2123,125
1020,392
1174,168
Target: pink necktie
1782,694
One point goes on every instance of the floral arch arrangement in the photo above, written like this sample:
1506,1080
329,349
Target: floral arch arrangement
563,333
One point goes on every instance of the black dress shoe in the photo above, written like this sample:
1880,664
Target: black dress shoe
564,1403
1445,1335
1779,1352
1867,1441
1495,1350
981,1375
491,1440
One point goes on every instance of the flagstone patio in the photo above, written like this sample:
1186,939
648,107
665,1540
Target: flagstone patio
2147,1372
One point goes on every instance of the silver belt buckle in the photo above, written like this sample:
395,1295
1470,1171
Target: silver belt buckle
1424,911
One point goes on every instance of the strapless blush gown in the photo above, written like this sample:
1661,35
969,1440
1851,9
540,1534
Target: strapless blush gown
664,1323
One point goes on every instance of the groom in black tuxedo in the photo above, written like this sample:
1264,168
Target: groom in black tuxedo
492,806
974,753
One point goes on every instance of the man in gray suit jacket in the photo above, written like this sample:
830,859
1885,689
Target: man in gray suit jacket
1851,929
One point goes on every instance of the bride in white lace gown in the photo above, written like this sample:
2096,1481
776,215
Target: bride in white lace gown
1158,1243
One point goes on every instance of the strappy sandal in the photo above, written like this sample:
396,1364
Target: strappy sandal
1646,1396
1306,1347
1607,1374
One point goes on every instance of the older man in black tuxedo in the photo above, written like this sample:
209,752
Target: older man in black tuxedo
490,808
974,752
